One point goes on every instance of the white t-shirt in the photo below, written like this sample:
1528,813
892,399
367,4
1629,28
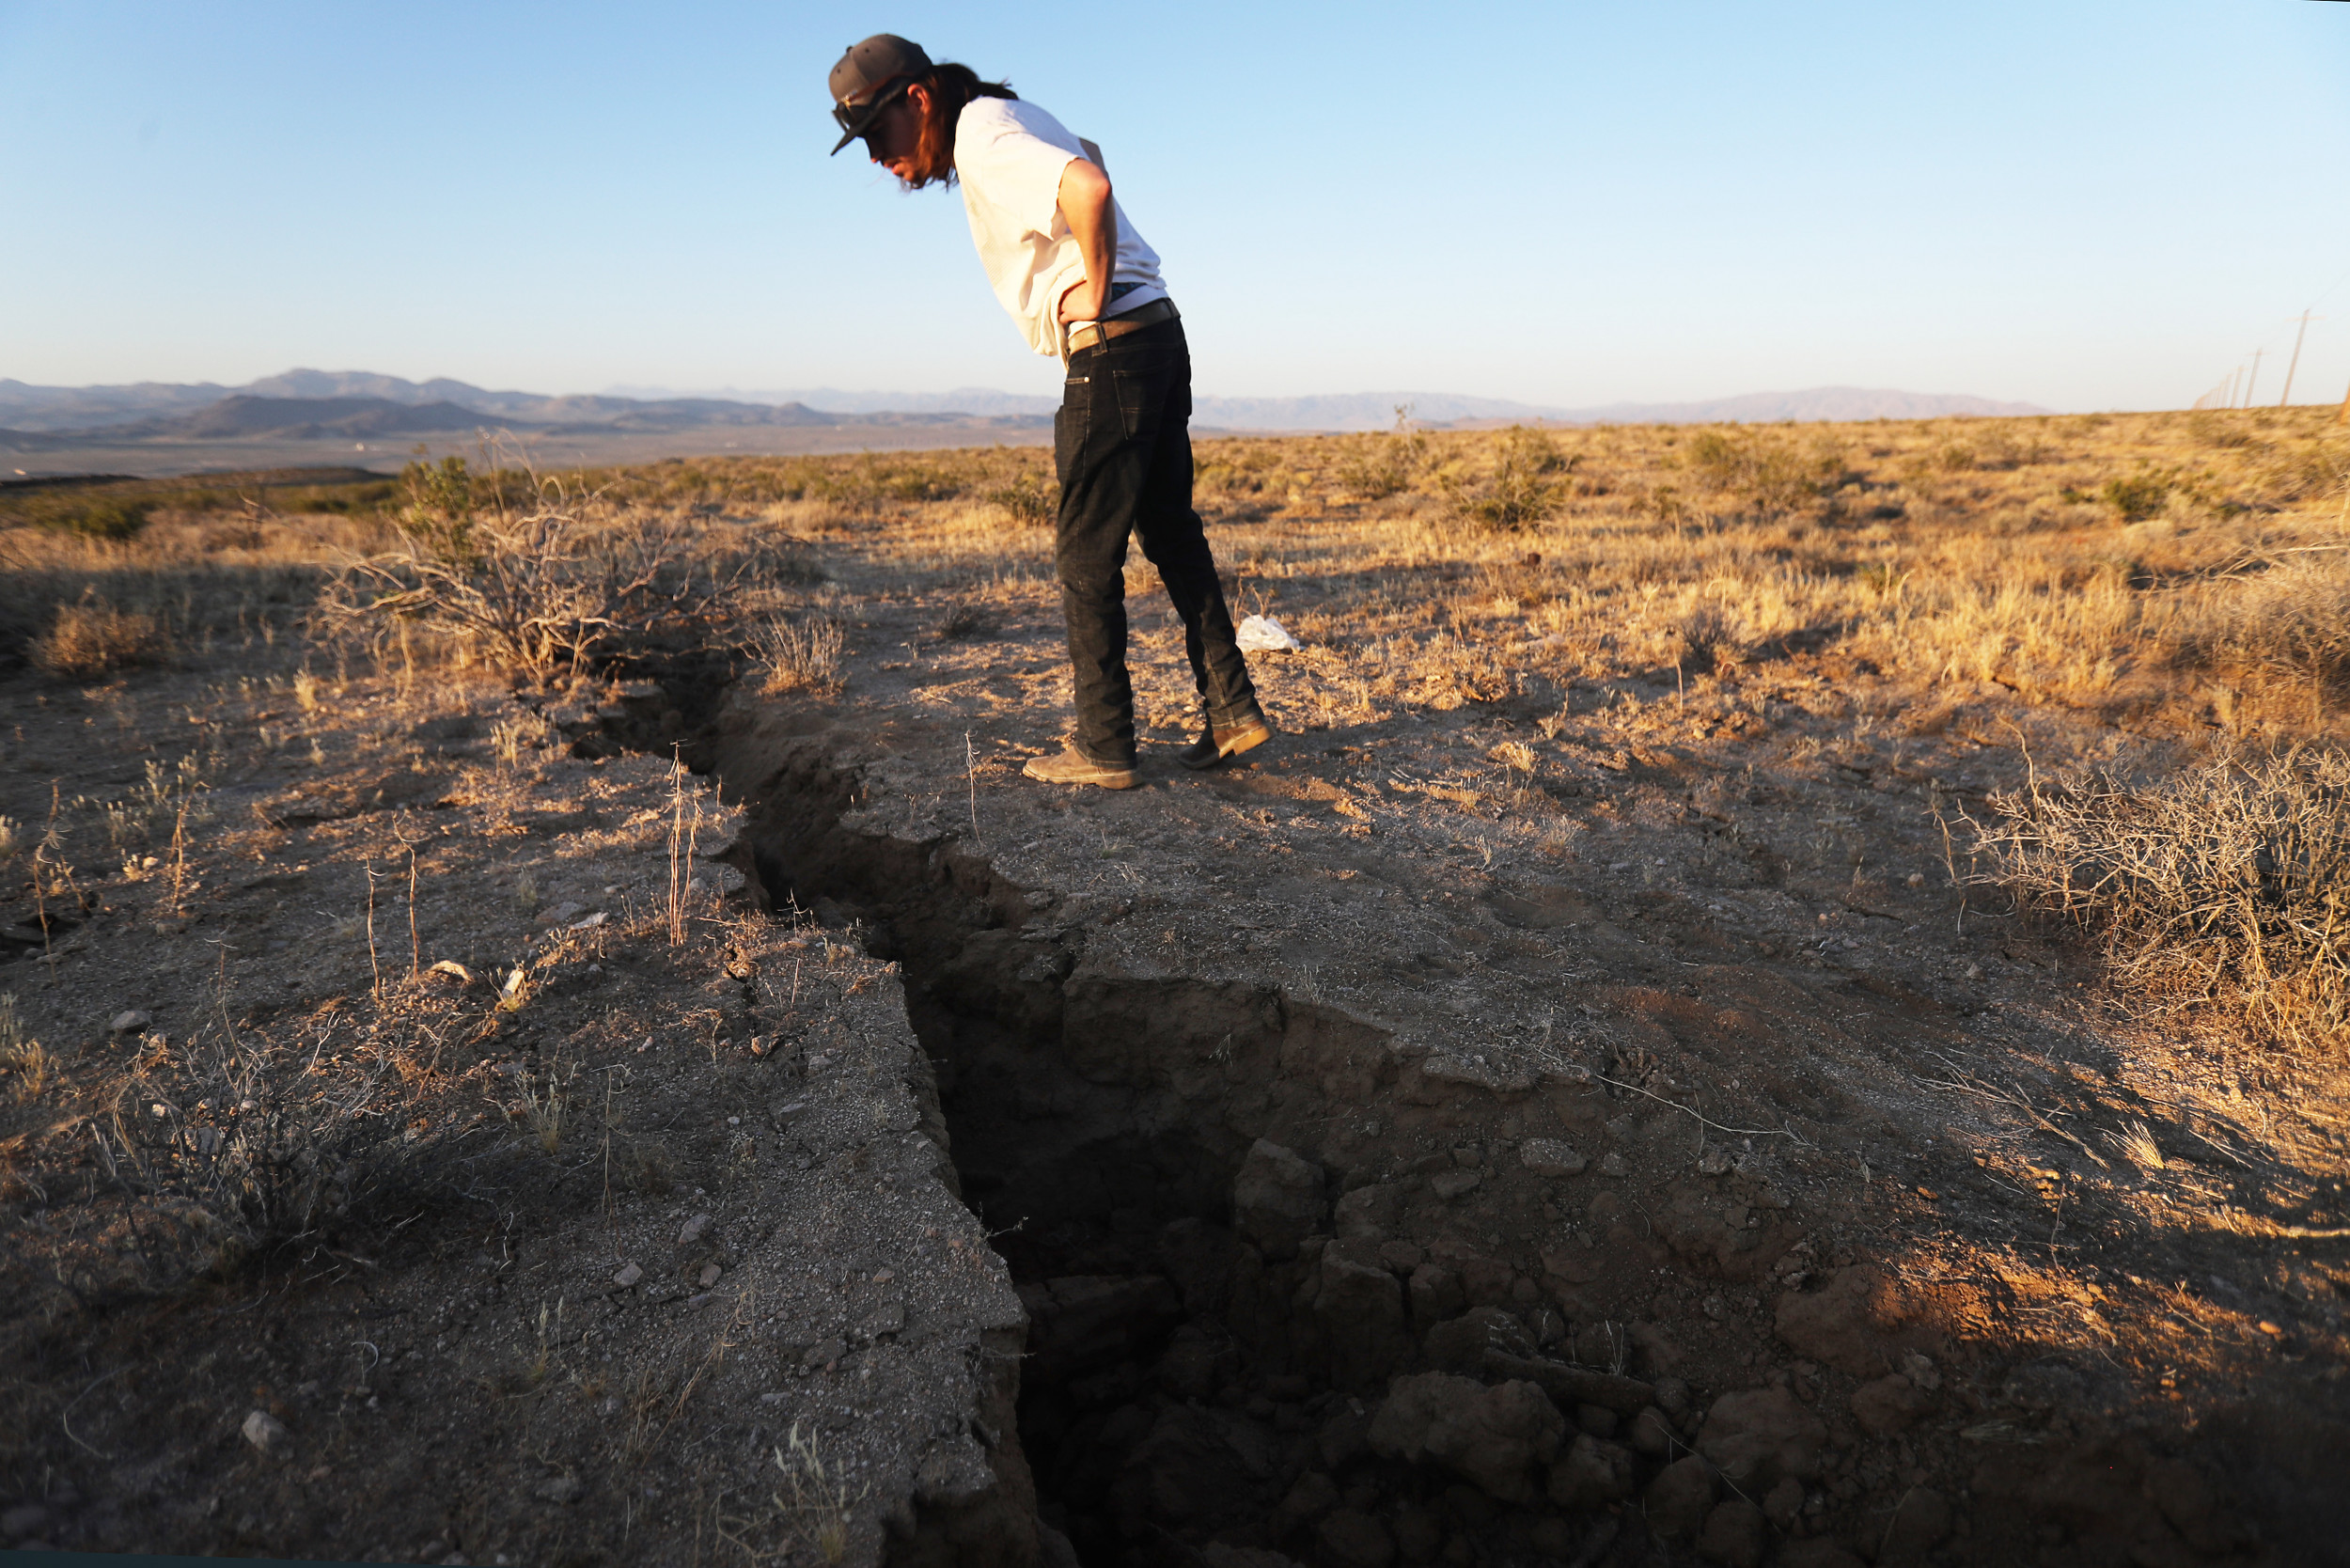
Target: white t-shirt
1010,156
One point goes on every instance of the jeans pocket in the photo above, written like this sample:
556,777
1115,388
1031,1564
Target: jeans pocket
1141,394
1069,439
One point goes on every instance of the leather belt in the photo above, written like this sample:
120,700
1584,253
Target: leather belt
1086,336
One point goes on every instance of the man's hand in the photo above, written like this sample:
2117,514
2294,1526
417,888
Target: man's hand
1092,220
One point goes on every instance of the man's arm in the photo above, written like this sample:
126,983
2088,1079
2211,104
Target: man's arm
1092,220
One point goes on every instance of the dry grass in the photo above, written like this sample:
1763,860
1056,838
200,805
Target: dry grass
2183,578
562,580
797,655
2223,885
92,637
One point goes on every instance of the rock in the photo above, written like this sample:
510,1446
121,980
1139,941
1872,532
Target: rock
1597,1420
1487,1281
1611,1164
1435,1294
1652,1434
1277,1198
691,1231
1680,1499
1921,1521
130,1023
1216,1554
1055,1550
882,1321
823,1353
1199,1257
1733,1536
1548,1157
1653,1349
1571,1387
22,1520
1820,1551
1194,1366
1460,1344
1919,1369
1353,1539
265,1431
1888,1406
1368,1214
1419,1535
1082,1324
1760,1436
1363,1328
1314,1494
629,1274
1845,1323
1673,1398
560,1489
1713,1162
1490,1437
1450,1184
2185,1499
1344,1438
1592,1474
708,1275
1195,1469
1784,1503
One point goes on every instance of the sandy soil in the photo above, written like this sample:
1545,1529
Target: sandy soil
1555,1104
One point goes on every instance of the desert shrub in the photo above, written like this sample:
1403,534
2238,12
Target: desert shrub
2228,884
2290,623
1383,464
2136,496
1766,471
564,582
101,515
1032,502
797,655
92,637
272,1154
2216,429
1524,487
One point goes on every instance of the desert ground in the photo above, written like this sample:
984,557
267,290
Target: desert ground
1778,1000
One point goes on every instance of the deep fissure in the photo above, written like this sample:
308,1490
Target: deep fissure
1199,1369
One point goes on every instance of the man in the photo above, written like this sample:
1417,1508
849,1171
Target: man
1083,288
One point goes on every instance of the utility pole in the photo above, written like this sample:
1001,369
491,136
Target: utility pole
2253,377
2294,363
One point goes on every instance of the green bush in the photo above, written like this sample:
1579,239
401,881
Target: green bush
1030,501
110,517
1768,474
1524,486
2136,497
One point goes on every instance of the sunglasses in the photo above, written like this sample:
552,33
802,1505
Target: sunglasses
854,119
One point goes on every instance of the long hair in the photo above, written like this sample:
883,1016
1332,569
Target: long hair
951,88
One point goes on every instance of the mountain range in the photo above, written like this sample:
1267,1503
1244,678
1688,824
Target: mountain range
347,404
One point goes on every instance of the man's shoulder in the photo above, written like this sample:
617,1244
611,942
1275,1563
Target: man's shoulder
997,116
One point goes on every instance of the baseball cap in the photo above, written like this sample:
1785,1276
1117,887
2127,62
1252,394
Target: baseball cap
879,60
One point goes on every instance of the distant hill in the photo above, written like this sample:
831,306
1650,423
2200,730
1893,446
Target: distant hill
1371,411
357,404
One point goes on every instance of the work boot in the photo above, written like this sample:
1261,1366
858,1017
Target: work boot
1229,739
1074,767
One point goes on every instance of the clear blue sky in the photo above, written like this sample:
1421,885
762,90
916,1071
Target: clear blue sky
2089,205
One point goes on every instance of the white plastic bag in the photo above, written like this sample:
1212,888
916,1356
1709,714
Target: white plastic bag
1261,633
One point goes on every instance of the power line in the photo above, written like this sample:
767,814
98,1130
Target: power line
2294,363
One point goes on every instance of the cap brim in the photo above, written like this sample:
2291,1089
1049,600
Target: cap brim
846,137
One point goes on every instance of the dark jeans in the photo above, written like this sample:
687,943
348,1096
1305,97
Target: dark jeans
1121,443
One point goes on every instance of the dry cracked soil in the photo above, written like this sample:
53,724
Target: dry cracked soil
1551,1128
